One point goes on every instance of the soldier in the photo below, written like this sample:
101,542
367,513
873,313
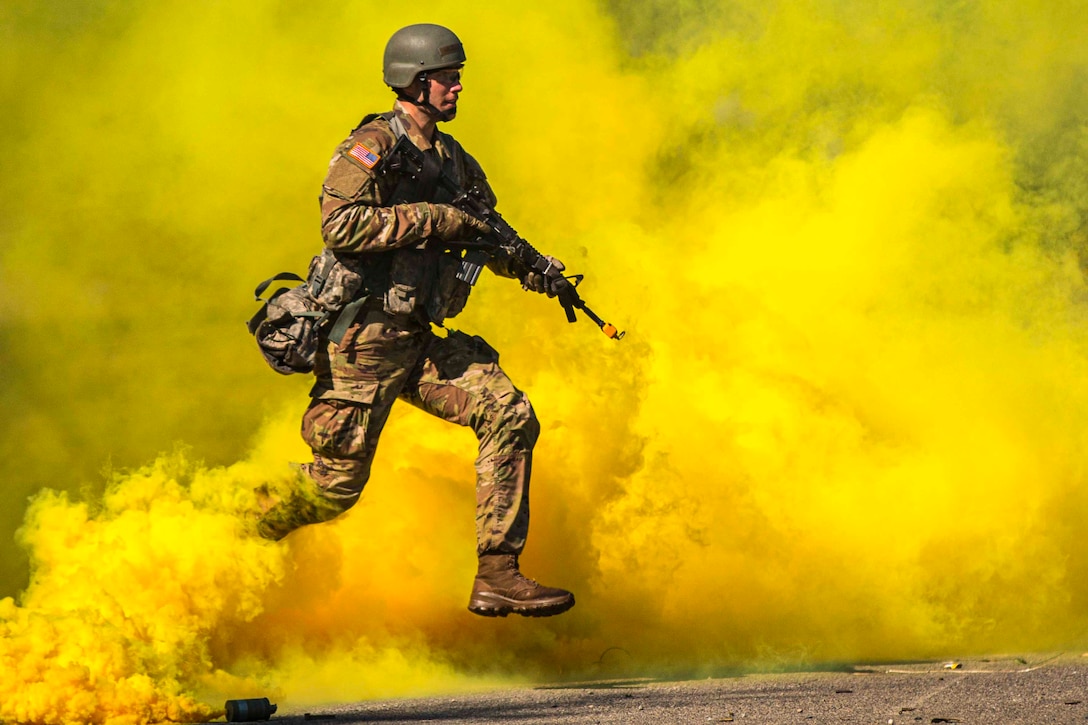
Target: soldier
389,233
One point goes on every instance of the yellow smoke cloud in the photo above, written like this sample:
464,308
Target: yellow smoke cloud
848,420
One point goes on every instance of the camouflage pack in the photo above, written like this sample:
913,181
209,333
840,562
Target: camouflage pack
288,325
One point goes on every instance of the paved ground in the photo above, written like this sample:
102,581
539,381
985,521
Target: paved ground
1005,690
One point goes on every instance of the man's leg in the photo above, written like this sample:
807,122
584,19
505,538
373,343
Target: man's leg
459,380
343,436
358,381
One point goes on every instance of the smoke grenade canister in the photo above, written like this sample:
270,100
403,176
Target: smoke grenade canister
258,708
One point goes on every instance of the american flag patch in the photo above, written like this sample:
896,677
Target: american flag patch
364,156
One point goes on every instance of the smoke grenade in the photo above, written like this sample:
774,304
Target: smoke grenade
258,708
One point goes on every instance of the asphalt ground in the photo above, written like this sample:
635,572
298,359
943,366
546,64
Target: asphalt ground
1032,690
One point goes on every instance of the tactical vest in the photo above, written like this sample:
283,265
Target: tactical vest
417,285
419,282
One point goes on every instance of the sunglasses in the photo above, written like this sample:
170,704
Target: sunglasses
448,78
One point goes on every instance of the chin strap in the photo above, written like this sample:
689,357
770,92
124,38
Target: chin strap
424,100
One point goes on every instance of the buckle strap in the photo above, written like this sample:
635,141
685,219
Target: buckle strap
263,286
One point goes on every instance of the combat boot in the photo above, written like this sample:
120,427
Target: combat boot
500,589
284,506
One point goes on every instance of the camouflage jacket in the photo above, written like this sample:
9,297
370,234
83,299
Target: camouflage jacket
391,242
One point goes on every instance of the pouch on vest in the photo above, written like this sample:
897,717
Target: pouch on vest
406,276
448,294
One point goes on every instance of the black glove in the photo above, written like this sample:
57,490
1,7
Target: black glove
544,281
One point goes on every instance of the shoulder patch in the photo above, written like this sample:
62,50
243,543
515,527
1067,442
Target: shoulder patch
365,156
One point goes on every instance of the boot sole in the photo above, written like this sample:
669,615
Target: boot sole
493,605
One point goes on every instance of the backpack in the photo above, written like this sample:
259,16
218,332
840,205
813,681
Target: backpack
288,326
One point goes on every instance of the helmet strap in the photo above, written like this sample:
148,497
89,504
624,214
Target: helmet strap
424,100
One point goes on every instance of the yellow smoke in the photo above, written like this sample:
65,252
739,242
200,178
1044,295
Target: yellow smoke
848,420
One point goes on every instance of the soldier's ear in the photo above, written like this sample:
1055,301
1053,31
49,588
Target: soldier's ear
414,88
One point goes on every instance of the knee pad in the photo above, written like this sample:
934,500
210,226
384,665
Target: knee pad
517,416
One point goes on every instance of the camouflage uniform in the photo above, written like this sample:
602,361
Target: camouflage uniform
390,350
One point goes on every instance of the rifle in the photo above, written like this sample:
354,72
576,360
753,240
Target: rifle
406,158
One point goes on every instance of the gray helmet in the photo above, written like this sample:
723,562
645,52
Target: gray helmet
419,48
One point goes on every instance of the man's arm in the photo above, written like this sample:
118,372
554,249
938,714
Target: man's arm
354,215
500,243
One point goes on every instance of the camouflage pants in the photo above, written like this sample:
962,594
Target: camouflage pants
456,378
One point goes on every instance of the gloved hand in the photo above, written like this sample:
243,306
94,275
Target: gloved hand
450,224
544,282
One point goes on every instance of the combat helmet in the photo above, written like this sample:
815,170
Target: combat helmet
418,48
